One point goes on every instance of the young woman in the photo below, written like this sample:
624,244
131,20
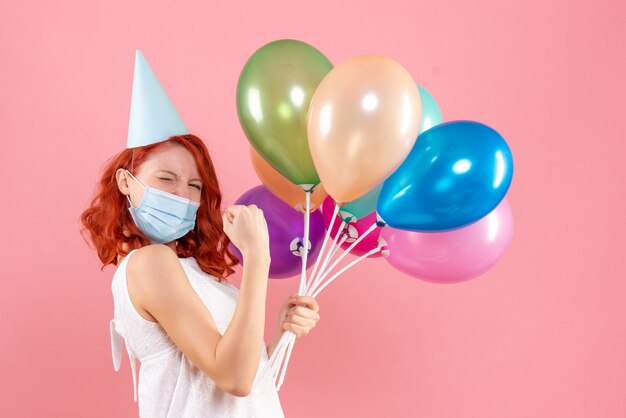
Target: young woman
156,216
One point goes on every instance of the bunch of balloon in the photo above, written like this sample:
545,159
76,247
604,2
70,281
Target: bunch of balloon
397,182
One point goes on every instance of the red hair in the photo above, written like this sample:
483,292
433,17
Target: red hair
113,231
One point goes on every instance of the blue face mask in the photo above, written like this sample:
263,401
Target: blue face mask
161,216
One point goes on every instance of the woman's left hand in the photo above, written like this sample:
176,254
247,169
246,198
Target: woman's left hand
299,314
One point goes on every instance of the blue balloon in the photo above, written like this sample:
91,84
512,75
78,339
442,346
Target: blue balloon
456,173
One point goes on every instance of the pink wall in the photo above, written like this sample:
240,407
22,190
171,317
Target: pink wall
543,334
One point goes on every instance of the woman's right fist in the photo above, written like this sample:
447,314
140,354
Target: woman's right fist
247,229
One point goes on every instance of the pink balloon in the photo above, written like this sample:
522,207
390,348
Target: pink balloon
355,230
452,256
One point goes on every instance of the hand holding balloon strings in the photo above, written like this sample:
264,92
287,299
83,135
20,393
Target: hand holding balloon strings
314,287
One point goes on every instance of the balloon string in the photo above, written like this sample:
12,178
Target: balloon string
305,253
292,341
314,280
270,365
277,354
334,246
286,343
339,244
326,236
334,252
280,355
341,257
343,270
279,347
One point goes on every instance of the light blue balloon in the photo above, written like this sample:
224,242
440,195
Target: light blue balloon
431,114
456,173
361,207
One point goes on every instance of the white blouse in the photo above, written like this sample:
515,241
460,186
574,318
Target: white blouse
170,385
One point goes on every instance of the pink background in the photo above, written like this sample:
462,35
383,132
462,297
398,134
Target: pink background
543,334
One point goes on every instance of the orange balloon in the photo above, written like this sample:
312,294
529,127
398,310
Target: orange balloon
363,122
283,188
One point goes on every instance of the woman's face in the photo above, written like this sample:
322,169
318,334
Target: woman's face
170,168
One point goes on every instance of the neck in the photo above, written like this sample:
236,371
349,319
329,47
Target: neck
172,245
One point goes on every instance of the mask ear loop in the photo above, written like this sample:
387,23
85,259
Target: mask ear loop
132,166
129,202
137,180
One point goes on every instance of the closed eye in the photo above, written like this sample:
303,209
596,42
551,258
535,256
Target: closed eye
197,186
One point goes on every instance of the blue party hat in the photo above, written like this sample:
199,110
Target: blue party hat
153,117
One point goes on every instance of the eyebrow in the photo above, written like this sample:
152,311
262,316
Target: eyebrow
177,176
